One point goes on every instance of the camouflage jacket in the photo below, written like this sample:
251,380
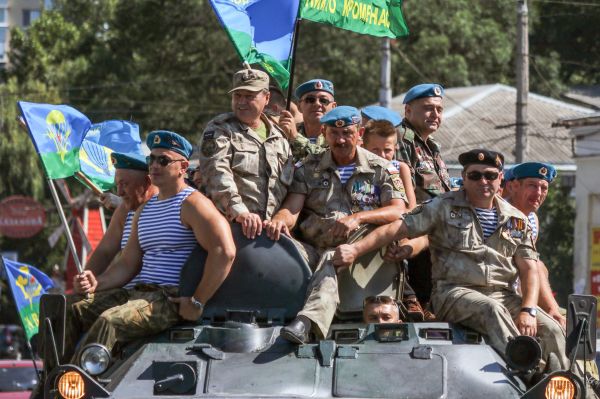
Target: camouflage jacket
459,254
241,172
374,183
429,172
302,147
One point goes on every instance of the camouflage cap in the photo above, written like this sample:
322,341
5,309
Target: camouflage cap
250,79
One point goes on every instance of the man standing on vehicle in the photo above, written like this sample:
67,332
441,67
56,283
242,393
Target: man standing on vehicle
336,191
134,188
164,232
245,160
479,245
315,100
422,118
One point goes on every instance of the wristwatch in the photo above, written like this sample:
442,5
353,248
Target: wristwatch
532,311
196,303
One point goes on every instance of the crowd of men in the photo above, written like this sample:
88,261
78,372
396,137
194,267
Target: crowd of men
317,174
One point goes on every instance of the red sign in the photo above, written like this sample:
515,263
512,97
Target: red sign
21,217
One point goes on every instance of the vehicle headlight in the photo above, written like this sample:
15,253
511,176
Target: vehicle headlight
94,359
560,387
71,385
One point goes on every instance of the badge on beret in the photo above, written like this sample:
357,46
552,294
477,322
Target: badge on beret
339,123
498,160
156,139
437,90
175,143
113,160
480,156
543,171
318,85
209,147
355,119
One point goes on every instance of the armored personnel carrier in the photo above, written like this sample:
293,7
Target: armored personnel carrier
235,349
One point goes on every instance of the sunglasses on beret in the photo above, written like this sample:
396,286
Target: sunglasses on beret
476,176
380,299
312,100
162,160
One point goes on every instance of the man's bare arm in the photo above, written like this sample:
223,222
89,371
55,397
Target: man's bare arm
214,235
110,245
528,274
285,219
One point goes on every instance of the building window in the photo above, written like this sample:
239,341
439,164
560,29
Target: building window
2,15
29,16
3,35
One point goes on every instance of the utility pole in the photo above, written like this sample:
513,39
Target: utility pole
385,92
521,147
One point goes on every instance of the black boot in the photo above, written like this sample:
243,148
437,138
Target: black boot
297,331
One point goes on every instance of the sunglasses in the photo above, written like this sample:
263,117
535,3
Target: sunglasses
312,100
489,176
382,299
162,160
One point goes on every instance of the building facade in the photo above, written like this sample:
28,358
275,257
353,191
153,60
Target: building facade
16,13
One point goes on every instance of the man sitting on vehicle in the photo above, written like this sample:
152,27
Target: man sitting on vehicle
381,309
479,245
137,296
337,191
134,188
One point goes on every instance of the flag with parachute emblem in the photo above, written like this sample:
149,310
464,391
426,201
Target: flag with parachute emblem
27,285
261,32
99,142
57,132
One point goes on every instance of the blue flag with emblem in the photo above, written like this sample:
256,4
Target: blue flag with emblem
99,142
27,284
261,32
56,132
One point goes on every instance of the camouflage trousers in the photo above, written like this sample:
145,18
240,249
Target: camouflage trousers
322,298
491,311
118,316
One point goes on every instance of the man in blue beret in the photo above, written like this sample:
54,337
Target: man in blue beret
245,159
134,188
138,295
528,186
333,193
422,118
316,98
481,244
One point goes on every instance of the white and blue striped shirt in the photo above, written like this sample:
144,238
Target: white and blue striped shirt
165,242
127,228
488,219
345,172
534,227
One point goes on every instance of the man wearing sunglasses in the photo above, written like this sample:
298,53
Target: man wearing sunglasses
134,188
315,100
332,195
479,245
245,160
138,295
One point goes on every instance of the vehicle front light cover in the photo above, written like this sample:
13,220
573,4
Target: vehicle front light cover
560,387
94,359
71,385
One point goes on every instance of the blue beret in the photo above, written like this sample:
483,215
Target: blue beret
341,116
423,90
314,85
130,160
508,173
169,140
377,113
482,157
538,170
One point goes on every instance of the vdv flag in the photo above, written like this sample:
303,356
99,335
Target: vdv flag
27,284
57,132
99,142
370,17
261,32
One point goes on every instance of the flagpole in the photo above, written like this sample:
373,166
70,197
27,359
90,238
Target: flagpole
293,65
63,219
27,343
